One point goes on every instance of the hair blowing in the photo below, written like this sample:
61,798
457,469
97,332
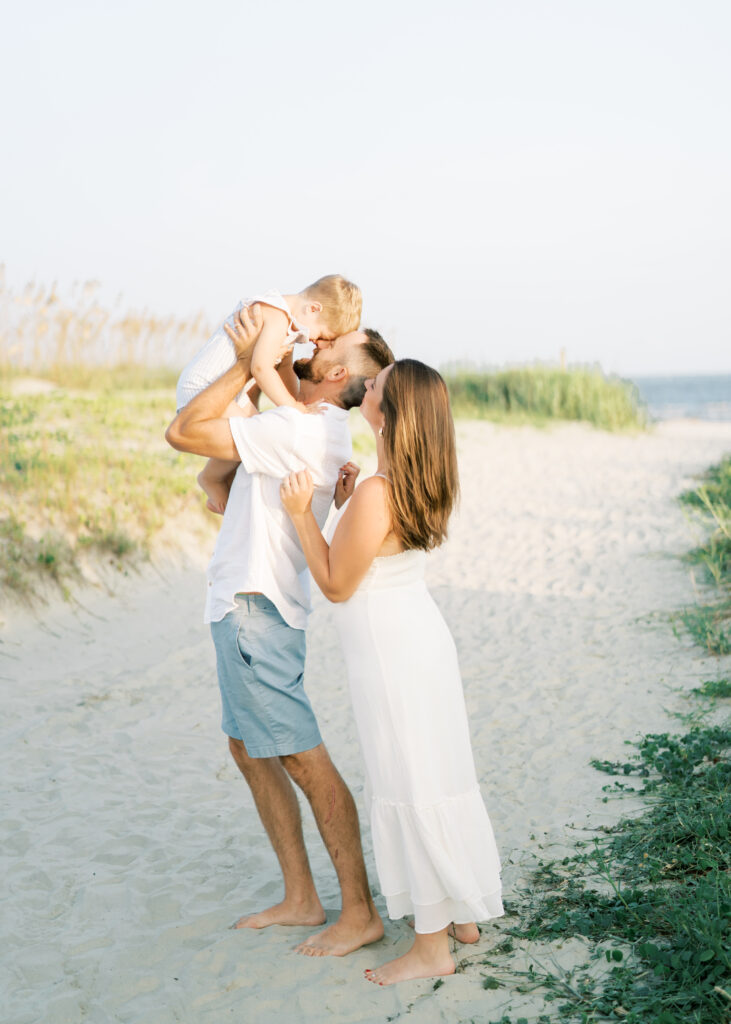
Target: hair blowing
418,438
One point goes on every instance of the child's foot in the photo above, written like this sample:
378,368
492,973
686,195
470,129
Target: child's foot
216,492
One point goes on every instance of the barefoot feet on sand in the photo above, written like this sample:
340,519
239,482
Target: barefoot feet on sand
284,913
409,966
348,933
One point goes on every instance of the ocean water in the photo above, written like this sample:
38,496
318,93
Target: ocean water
698,398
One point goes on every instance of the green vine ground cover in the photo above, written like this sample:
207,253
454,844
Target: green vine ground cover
650,895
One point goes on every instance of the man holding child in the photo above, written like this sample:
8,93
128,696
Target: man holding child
258,603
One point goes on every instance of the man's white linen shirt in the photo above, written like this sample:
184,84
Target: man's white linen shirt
257,547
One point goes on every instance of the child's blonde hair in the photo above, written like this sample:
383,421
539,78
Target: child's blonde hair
341,301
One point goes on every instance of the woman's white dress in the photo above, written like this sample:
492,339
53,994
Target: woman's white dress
434,847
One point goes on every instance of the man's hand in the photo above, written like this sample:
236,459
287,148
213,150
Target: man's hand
248,323
347,475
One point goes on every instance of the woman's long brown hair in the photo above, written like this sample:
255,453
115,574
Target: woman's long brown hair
418,437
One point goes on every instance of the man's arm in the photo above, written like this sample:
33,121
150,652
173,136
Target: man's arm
200,426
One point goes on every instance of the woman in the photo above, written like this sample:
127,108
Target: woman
434,848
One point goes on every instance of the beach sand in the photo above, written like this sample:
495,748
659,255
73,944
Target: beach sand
130,844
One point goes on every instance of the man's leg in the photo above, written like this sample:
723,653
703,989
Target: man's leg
276,802
337,820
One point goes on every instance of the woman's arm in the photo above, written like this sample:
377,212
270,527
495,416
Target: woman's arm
338,569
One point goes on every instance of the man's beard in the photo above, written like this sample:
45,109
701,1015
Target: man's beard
307,369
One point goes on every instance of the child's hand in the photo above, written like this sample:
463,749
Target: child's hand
313,409
285,354
347,475
296,492
248,323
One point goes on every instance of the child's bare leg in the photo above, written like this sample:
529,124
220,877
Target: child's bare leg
216,478
248,408
217,475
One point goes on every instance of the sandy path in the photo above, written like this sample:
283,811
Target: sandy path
129,844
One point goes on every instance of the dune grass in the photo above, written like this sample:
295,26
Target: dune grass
84,469
709,621
85,472
70,335
542,393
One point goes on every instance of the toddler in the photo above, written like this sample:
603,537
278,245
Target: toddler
319,313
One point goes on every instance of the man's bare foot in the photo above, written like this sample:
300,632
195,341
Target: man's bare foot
285,913
467,933
348,933
413,964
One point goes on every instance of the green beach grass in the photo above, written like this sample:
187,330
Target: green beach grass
709,504
538,394
85,473
85,470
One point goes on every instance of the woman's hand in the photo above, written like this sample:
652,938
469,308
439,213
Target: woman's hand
345,486
296,492
248,323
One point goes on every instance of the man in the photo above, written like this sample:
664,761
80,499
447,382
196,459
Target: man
257,605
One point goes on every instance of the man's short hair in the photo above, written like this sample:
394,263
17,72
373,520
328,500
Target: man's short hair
364,361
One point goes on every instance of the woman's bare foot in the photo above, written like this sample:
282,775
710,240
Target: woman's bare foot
352,930
467,933
285,913
429,957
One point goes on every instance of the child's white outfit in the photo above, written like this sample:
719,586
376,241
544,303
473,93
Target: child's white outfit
218,353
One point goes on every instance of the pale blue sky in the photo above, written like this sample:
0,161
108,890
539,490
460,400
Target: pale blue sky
501,178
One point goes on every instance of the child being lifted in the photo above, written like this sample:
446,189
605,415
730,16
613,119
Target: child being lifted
319,313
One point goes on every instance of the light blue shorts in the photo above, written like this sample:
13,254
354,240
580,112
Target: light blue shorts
261,663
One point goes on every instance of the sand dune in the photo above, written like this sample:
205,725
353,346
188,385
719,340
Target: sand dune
129,842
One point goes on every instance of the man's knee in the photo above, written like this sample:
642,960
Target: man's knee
236,746
253,769
239,753
309,767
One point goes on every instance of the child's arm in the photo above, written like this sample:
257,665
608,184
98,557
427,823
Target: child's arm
267,351
289,377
